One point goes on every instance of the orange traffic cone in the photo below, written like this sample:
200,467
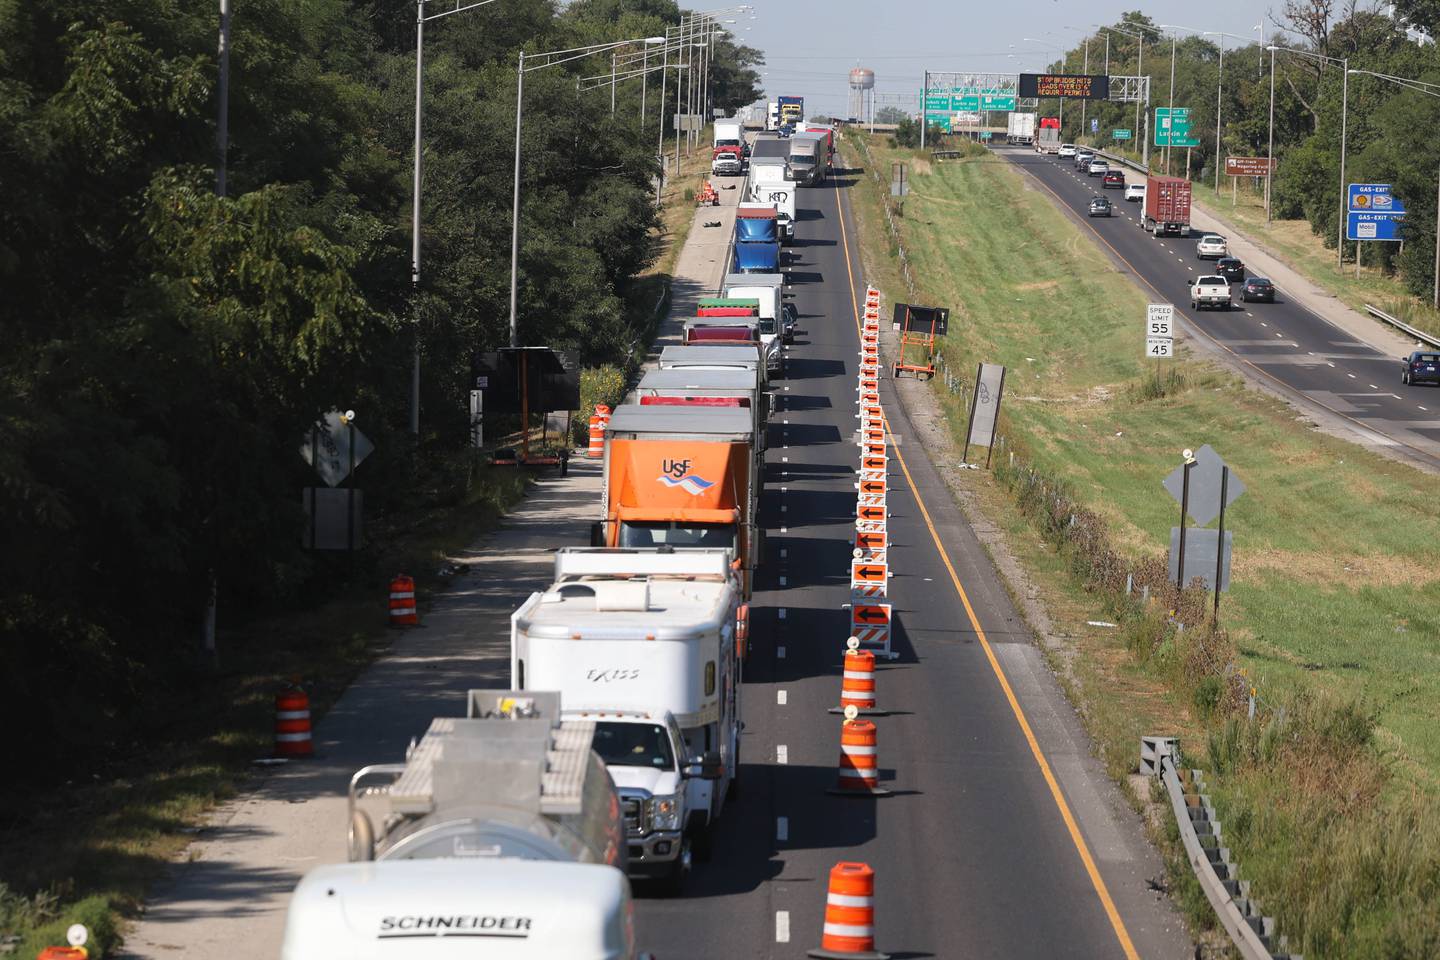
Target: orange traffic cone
402,602
849,932
596,450
857,682
292,724
859,774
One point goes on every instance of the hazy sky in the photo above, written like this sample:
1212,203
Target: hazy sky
810,46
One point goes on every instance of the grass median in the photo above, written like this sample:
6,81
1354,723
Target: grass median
1332,616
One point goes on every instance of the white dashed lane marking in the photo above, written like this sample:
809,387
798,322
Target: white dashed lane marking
782,754
782,926
781,697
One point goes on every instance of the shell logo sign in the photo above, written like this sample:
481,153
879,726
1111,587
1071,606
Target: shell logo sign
676,473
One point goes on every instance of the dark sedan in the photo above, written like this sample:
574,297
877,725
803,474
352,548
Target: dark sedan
1231,269
1100,207
1113,179
1421,367
1258,288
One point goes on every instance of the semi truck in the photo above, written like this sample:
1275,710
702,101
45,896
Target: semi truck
756,256
503,825
792,111
1167,206
1047,140
808,158
1020,128
826,134
646,644
770,183
768,289
682,477
693,387
772,115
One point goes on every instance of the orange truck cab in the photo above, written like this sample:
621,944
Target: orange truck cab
682,476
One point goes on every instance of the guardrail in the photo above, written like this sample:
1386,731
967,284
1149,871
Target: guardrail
1399,324
1254,936
1141,168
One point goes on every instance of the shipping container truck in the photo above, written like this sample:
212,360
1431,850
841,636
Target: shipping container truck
1021,128
647,644
503,825
682,477
827,134
1167,206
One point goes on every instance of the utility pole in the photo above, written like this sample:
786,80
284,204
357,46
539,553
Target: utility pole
222,119
515,207
660,136
1170,121
415,219
924,114
1270,151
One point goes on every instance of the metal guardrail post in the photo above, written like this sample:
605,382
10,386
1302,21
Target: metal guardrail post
1399,324
1253,935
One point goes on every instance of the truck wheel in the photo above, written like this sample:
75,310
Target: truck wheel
673,883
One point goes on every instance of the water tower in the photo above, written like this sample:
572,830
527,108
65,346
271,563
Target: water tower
862,93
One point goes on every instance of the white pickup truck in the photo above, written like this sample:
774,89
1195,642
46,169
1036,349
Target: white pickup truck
1210,292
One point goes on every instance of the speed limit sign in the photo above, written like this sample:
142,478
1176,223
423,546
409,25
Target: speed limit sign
1159,347
1160,320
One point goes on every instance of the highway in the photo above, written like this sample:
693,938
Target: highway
1003,837
1282,344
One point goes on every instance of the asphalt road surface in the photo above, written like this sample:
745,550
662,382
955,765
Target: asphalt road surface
1282,343
1003,837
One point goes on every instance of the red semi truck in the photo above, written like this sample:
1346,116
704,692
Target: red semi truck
1167,206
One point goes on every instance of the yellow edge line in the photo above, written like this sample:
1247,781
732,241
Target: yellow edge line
1097,881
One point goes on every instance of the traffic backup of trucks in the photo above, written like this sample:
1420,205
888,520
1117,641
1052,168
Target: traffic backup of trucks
646,645
1020,128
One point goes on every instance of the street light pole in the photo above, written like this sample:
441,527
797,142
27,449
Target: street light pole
415,219
1340,230
515,205
1170,123
1219,106
1270,151
222,119
660,136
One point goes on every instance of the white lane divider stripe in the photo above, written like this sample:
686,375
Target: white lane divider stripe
781,697
782,753
782,926
779,653
782,829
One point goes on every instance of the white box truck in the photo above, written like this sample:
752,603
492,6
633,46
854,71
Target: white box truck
502,826
728,133
770,183
645,643
1021,128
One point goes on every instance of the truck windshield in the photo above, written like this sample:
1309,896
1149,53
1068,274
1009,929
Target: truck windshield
633,745
657,533
767,324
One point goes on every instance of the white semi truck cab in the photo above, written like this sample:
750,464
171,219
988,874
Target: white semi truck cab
645,644
500,833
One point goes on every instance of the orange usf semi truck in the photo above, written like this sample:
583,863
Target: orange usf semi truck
682,477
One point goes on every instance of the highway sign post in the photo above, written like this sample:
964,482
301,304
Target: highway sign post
1248,166
1204,487
1120,134
1372,212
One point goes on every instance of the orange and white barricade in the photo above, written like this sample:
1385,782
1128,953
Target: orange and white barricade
859,773
849,931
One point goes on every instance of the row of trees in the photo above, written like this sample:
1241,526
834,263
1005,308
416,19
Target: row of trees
1389,129
165,349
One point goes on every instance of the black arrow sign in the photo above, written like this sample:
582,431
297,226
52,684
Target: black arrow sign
870,615
870,573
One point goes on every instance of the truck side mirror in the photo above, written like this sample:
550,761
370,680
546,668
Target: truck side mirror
707,766
597,533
